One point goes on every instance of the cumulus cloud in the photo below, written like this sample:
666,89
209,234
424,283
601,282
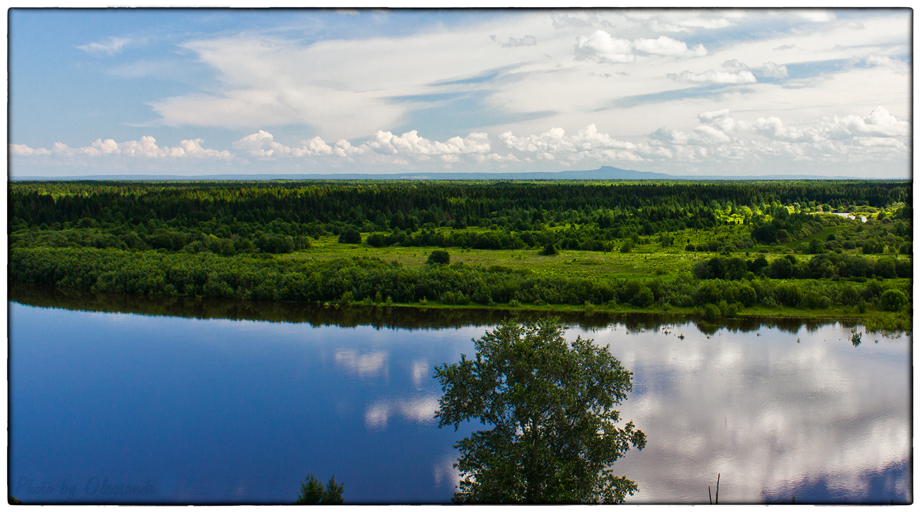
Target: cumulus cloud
23,150
664,45
773,127
262,144
879,123
110,46
714,77
720,137
586,144
411,143
603,47
669,136
146,147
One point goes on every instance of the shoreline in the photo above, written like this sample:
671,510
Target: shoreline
429,314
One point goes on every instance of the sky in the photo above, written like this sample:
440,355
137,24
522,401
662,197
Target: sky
682,91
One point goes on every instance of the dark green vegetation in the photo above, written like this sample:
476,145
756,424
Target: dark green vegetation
313,492
613,245
553,435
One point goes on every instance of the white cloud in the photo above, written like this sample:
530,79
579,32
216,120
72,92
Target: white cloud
898,66
588,143
714,77
773,127
23,150
146,148
879,123
411,143
811,15
110,46
773,70
670,136
603,47
262,144
664,45
691,24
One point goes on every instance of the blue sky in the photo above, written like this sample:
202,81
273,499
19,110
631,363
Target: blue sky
221,91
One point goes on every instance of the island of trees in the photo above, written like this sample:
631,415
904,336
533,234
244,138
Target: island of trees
835,249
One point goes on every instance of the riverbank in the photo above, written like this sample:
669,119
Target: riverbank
434,315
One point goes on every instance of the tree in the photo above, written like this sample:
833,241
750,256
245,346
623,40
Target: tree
438,258
549,250
350,236
893,300
312,492
550,405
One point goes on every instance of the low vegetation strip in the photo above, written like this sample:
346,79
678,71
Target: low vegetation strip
373,281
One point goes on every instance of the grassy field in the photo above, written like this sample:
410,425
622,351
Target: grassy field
645,260
671,263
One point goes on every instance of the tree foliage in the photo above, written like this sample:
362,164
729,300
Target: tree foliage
313,492
550,405
438,258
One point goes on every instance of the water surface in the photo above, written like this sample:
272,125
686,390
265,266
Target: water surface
122,407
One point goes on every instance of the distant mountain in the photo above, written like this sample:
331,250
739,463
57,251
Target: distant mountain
604,173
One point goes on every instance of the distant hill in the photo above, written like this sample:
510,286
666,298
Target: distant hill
604,173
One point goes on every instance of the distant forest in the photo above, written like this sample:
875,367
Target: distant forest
227,239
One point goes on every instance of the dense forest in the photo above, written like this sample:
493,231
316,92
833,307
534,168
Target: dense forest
739,247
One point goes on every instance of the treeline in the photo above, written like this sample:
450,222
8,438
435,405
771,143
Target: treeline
822,266
373,281
277,218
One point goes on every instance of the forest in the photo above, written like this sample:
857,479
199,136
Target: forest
835,249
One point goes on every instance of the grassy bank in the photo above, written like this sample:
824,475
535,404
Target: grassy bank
514,280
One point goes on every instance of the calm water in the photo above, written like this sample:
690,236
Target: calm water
118,407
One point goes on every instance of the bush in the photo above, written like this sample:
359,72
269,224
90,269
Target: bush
376,240
893,300
438,258
711,313
549,250
350,236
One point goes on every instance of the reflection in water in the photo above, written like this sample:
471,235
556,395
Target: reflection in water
363,365
418,410
354,316
218,410
766,412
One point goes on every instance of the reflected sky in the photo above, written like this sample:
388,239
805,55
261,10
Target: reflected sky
210,411
772,412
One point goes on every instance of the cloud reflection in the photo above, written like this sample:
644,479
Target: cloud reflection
764,411
363,365
418,410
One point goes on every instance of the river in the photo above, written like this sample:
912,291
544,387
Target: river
119,405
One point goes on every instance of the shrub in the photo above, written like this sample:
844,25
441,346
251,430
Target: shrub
438,258
350,236
893,300
549,250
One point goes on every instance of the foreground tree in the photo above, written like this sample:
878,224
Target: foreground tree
313,492
550,405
